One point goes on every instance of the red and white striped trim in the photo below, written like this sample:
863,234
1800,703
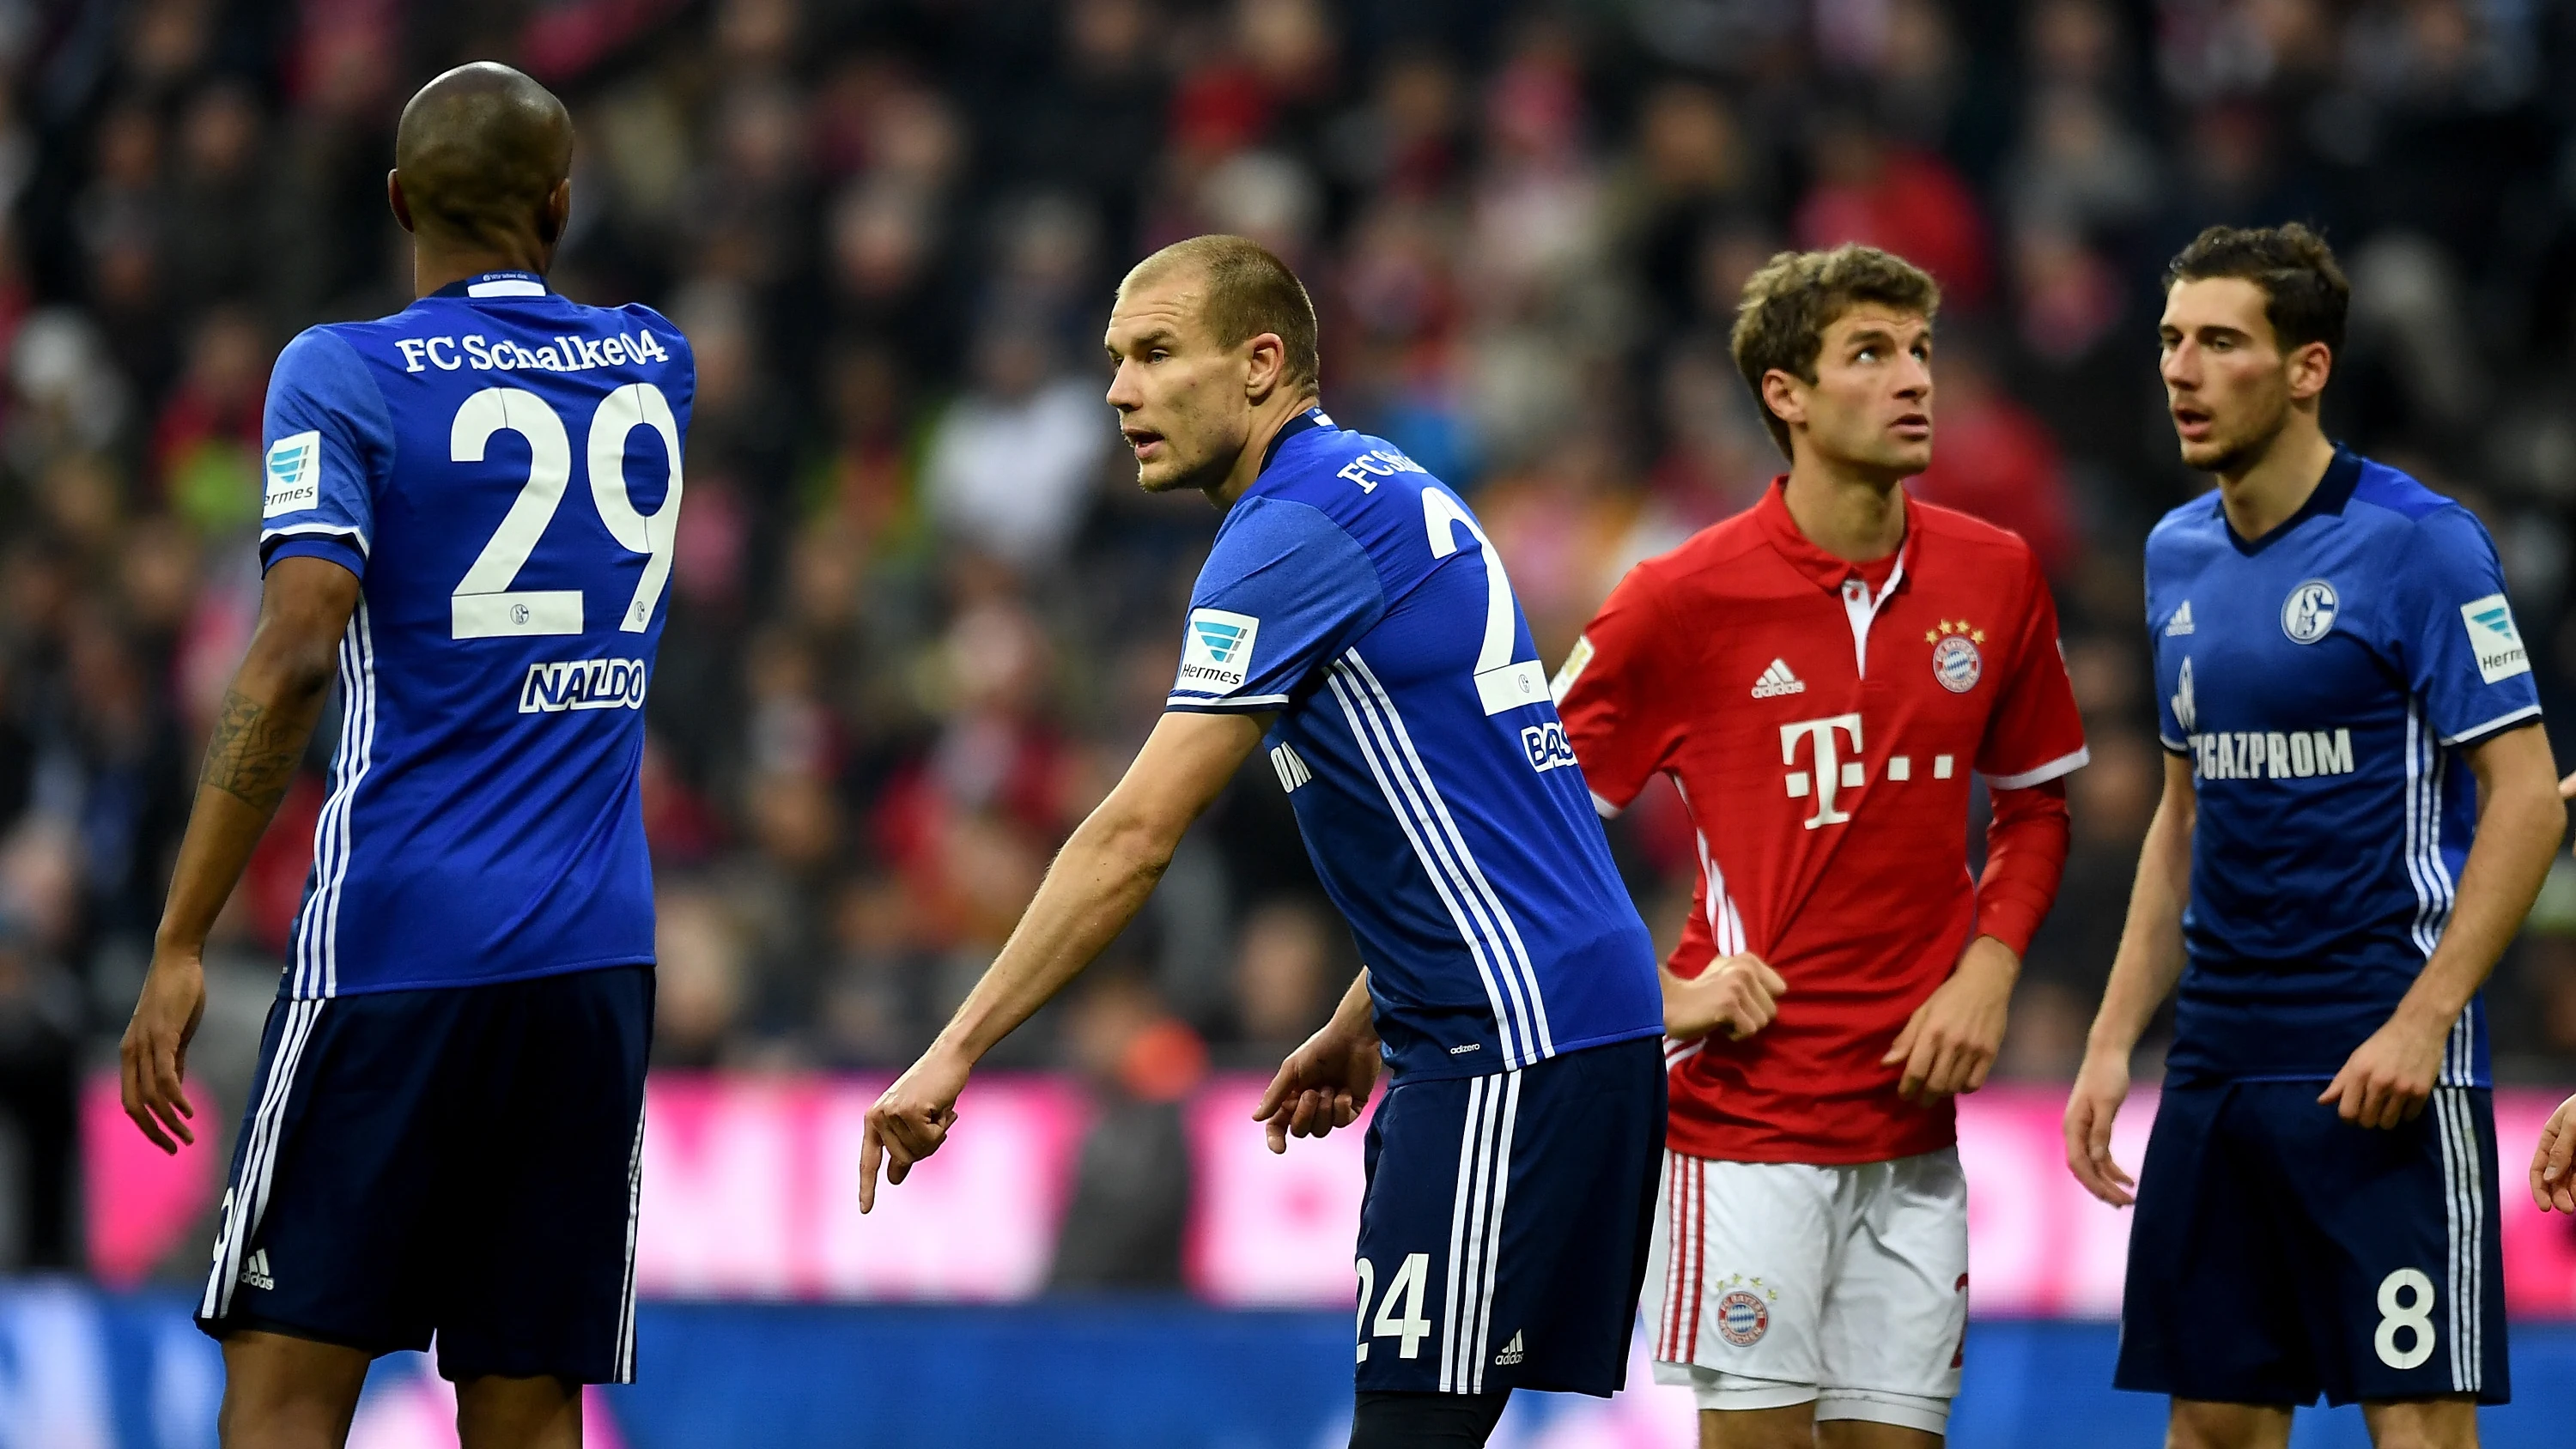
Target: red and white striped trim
1685,1265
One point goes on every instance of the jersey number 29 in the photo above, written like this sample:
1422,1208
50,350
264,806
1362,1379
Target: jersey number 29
484,605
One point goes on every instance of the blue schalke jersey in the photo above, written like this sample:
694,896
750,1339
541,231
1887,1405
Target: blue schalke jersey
500,467
1357,598
2322,681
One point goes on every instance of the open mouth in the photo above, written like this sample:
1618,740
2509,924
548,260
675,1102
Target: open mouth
1142,441
1913,427
2191,422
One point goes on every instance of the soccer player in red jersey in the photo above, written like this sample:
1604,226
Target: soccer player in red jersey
1820,675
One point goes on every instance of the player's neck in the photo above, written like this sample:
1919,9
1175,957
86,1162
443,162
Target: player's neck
2271,489
436,267
1858,519
1267,420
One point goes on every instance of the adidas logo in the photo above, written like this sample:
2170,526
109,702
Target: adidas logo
255,1272
1511,1353
2180,624
1777,681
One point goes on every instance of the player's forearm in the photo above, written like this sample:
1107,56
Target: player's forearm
1097,885
2150,958
2519,827
1355,1016
2025,860
257,744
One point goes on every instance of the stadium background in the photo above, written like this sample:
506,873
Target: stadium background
921,618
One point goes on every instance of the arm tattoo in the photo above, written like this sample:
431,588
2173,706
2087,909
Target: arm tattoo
253,753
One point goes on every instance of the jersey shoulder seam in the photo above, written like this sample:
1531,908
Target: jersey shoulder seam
1273,500
1968,528
655,313
1697,555
384,407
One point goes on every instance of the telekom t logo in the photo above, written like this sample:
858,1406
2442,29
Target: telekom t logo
1832,771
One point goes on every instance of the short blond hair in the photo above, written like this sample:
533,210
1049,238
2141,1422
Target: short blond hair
1787,305
1249,292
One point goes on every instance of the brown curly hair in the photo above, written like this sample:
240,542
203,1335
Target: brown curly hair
1789,303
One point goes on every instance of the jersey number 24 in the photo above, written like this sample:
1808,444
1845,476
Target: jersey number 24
484,605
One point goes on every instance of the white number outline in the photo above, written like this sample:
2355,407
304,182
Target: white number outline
2415,1317
636,405
1411,1278
1368,1286
484,606
1502,684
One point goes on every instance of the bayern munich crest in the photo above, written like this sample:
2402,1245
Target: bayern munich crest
1742,1319
1956,660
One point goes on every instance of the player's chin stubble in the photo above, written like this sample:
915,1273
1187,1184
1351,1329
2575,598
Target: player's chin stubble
2230,456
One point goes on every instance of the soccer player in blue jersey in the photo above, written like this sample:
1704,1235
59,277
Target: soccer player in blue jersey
1353,621
2359,808
468,520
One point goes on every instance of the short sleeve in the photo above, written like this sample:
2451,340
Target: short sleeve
1284,590
2455,633
329,437
1609,697
2035,733
2170,732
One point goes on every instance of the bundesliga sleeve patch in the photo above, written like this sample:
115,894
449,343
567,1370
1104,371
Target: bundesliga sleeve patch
1216,656
2493,638
1572,669
294,474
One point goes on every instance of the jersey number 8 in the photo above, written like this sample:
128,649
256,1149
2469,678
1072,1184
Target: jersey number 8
484,605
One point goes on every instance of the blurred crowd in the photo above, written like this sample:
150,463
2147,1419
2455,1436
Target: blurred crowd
920,616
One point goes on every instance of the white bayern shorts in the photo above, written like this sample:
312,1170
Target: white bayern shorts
1779,1283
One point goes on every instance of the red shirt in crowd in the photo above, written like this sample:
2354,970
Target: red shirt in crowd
1821,719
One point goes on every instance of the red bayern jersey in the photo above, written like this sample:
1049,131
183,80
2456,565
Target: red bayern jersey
1822,730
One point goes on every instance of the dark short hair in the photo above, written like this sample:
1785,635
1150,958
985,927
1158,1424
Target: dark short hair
1249,292
481,148
2305,295
1788,304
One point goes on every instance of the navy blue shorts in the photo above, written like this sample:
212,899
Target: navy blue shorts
460,1161
1503,1238
2278,1252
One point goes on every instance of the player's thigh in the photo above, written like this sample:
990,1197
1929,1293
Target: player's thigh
2399,1261
521,1413
282,1392
1872,1434
2448,1422
1736,1286
539,1266
2211,1309
327,1209
1790,1426
1894,1328
2204,1424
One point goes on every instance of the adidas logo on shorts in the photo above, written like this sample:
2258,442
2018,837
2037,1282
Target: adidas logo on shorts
1511,1353
1777,681
255,1272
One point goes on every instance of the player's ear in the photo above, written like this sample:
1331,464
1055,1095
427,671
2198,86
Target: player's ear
2310,367
394,198
556,214
1268,366
1784,396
